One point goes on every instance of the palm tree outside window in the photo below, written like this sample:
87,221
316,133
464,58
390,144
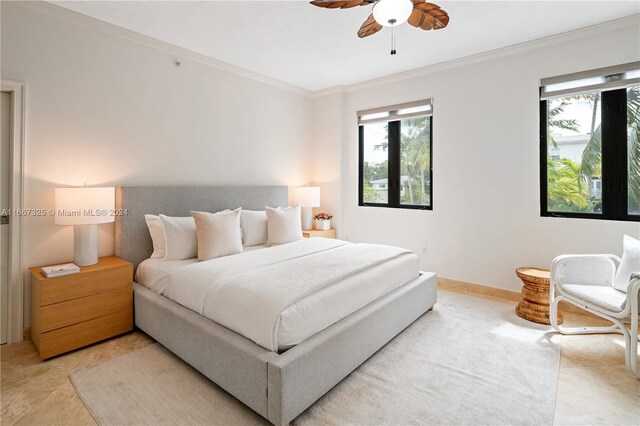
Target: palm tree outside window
590,155
395,156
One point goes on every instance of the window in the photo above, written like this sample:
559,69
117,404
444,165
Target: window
633,150
395,156
589,150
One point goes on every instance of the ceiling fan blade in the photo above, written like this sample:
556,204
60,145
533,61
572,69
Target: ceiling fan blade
369,27
428,16
339,4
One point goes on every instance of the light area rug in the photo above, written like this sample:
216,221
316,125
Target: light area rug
470,361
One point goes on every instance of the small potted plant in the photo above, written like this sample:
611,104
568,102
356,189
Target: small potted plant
323,221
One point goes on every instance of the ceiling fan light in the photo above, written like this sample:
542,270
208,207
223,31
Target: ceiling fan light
391,13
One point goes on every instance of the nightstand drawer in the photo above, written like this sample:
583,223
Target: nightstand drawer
86,308
86,283
75,336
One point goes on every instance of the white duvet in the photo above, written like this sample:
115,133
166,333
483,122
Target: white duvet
279,296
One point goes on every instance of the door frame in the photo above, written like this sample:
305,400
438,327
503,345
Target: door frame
15,294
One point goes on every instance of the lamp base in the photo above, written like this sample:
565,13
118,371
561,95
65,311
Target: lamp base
85,245
307,218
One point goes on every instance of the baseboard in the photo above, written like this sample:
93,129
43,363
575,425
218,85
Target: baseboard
478,290
26,334
507,296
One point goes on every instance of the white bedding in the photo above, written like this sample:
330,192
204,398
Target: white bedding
280,296
153,273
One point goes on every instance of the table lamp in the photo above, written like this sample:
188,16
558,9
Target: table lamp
85,208
307,197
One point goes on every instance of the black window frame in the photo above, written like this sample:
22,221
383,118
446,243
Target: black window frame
394,171
615,179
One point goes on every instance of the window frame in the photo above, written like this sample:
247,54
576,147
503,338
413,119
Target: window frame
615,179
394,171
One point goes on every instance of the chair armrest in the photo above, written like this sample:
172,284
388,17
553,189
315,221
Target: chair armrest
584,269
616,260
634,284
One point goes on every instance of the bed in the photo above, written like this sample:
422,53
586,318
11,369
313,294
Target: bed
277,375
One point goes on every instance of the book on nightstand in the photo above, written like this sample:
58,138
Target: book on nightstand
60,270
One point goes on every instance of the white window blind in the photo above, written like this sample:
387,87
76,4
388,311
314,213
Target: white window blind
601,79
396,112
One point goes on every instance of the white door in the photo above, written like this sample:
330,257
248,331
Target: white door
5,135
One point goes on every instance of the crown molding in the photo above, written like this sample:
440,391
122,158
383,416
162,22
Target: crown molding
183,53
605,27
329,91
179,52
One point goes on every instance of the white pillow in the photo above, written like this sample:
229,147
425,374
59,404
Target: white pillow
630,263
180,237
254,227
283,225
156,229
219,234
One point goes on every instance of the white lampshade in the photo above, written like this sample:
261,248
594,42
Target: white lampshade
306,196
84,206
391,13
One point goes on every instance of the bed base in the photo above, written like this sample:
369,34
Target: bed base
281,386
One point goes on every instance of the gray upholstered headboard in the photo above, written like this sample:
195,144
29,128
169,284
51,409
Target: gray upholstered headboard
133,241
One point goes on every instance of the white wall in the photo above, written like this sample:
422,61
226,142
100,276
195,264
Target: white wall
106,110
486,219
327,153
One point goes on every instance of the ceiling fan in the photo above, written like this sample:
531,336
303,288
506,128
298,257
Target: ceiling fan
391,13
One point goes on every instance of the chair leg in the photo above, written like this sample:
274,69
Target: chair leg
632,342
553,318
630,336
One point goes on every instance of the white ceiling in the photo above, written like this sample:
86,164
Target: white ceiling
316,48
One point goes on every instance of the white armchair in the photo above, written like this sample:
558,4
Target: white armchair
587,281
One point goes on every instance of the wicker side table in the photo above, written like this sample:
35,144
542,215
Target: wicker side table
534,305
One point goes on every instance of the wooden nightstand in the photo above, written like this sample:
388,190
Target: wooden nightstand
73,311
329,233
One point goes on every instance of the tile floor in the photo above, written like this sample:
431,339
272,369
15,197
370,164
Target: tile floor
594,385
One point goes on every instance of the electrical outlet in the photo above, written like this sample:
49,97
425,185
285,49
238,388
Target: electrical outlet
425,251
